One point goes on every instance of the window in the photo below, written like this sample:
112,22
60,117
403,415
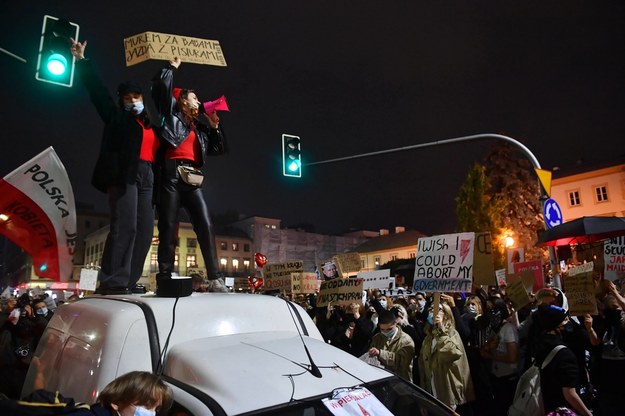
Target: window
223,245
235,246
574,199
223,263
191,260
246,265
376,260
153,262
191,242
246,248
601,193
235,264
393,257
413,255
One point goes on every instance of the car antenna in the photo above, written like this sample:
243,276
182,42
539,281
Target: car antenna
314,370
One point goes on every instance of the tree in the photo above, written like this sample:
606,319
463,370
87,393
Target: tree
477,210
514,184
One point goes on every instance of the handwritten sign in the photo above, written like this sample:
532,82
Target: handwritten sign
614,258
347,263
376,279
500,274
533,269
483,263
88,279
163,46
358,401
516,292
277,276
340,292
444,263
304,283
580,290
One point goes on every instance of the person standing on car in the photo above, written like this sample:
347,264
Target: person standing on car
124,172
189,134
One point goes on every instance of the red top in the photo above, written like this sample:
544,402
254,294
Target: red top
149,144
187,150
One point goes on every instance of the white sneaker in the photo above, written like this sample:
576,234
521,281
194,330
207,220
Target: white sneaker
217,285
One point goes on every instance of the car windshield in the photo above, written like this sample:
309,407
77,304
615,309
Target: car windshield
400,397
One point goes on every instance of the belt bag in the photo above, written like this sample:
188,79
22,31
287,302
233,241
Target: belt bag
191,176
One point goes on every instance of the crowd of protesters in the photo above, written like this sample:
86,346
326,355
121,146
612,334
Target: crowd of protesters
471,352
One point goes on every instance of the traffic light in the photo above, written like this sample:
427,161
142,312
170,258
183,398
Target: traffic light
55,63
291,156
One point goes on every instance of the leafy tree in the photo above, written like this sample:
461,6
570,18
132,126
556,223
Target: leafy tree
477,210
514,184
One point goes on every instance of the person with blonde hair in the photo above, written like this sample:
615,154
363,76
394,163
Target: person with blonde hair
443,365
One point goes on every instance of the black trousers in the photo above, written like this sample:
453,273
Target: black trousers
131,231
173,195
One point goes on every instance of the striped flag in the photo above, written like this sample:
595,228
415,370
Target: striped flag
38,214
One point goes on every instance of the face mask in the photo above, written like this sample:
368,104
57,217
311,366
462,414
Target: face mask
431,319
135,108
142,411
472,308
42,311
421,305
383,304
389,334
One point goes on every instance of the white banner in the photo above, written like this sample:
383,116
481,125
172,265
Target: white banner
356,402
39,214
614,258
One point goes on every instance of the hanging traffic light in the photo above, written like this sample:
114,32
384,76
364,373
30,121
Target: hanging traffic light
291,156
55,63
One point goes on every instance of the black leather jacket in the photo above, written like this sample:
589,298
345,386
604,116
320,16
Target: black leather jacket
173,128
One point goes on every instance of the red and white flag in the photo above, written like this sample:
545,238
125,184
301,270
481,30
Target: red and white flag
38,214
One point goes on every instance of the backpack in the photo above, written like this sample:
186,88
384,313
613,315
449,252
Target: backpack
528,397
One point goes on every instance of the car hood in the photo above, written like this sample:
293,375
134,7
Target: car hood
265,369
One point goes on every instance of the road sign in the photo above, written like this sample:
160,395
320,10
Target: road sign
552,213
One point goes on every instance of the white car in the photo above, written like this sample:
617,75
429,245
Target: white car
222,354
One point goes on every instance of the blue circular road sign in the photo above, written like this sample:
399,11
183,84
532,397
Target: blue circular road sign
552,213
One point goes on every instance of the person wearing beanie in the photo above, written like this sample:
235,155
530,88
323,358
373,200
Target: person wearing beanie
392,346
191,132
124,172
560,378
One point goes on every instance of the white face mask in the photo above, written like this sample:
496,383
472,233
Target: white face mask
135,108
472,308
421,305
142,411
383,304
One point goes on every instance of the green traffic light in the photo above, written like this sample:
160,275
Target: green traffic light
56,64
294,166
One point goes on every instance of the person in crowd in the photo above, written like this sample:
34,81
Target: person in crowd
560,378
354,331
443,365
188,136
503,352
124,172
392,346
134,393
40,319
416,334
476,320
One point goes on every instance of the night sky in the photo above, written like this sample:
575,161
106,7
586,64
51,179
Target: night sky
348,78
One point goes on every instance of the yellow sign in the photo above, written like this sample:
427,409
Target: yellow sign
163,46
545,179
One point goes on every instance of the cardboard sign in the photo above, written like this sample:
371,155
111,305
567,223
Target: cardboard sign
277,276
88,279
614,258
517,293
348,263
483,263
163,46
580,290
444,263
328,270
533,269
377,279
514,255
500,274
304,283
340,292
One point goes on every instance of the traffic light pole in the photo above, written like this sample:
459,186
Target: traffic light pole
530,156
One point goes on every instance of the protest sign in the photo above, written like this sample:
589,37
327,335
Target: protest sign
517,293
514,255
444,263
88,279
304,283
500,274
580,290
614,258
357,401
348,263
534,271
163,46
376,279
340,292
483,263
277,276
328,270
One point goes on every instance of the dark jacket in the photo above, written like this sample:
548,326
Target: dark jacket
173,128
121,140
